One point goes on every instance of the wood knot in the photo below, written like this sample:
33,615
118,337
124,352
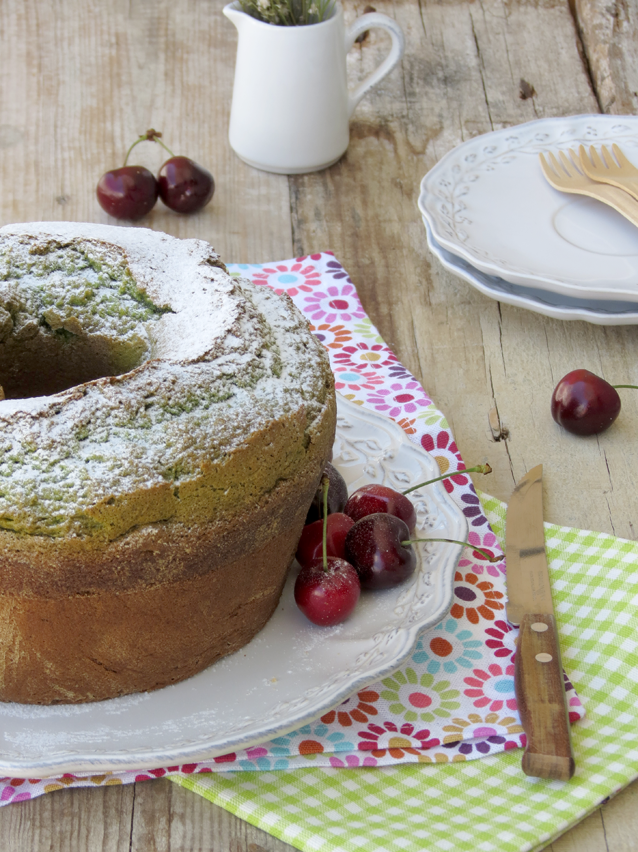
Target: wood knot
499,432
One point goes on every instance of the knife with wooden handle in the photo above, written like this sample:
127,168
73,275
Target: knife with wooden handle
538,671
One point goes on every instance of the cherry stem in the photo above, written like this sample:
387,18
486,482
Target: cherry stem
325,485
149,136
480,468
480,550
635,387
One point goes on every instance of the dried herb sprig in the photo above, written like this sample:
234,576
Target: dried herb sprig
289,13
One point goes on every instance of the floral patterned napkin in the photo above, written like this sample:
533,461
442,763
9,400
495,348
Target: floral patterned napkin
454,700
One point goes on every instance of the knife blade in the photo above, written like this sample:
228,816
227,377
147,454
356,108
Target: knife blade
538,671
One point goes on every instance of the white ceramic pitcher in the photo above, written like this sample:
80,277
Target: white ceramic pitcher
291,104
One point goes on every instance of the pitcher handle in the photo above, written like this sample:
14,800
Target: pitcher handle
367,22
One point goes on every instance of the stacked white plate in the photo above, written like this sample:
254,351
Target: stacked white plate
492,218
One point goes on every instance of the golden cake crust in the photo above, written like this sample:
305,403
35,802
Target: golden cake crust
147,519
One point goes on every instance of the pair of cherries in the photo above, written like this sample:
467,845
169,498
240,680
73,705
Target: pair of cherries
131,192
363,541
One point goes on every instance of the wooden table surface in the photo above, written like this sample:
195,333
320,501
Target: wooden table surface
81,79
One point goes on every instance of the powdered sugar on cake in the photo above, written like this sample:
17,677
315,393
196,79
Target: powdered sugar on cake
221,358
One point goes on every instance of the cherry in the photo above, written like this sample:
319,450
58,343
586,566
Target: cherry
185,186
372,499
310,547
377,547
585,404
129,192
337,495
327,590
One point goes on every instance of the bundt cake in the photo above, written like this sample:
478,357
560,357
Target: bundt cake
163,430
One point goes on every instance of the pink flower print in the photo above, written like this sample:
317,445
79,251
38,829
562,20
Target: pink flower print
351,380
288,278
446,454
336,302
493,688
9,793
478,563
256,752
399,399
313,256
502,639
231,757
351,761
360,356
394,740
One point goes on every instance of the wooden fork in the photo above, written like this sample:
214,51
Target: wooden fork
604,168
566,176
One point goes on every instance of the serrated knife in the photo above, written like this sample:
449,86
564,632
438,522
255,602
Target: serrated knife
538,671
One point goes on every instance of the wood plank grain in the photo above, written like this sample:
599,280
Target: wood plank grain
620,820
172,819
86,79
609,33
461,75
75,820
587,836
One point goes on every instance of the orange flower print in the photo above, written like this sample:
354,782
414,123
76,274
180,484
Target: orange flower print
356,709
332,336
475,598
407,425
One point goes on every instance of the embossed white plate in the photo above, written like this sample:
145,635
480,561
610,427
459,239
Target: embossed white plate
597,311
290,674
487,202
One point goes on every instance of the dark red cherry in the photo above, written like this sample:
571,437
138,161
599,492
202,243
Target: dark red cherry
584,404
129,192
184,185
310,545
374,546
337,495
370,499
327,596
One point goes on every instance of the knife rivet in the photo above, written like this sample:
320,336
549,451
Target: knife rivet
539,627
544,658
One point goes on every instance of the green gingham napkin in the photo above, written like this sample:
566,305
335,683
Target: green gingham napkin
487,804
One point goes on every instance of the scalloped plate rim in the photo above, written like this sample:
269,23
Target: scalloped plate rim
493,267
88,762
464,269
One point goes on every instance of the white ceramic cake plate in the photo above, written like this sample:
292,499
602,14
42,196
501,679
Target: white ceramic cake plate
487,202
290,674
596,311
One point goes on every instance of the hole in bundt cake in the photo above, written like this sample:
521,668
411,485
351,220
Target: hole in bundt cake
50,362
69,313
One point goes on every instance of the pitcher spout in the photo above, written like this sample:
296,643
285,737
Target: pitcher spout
235,15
